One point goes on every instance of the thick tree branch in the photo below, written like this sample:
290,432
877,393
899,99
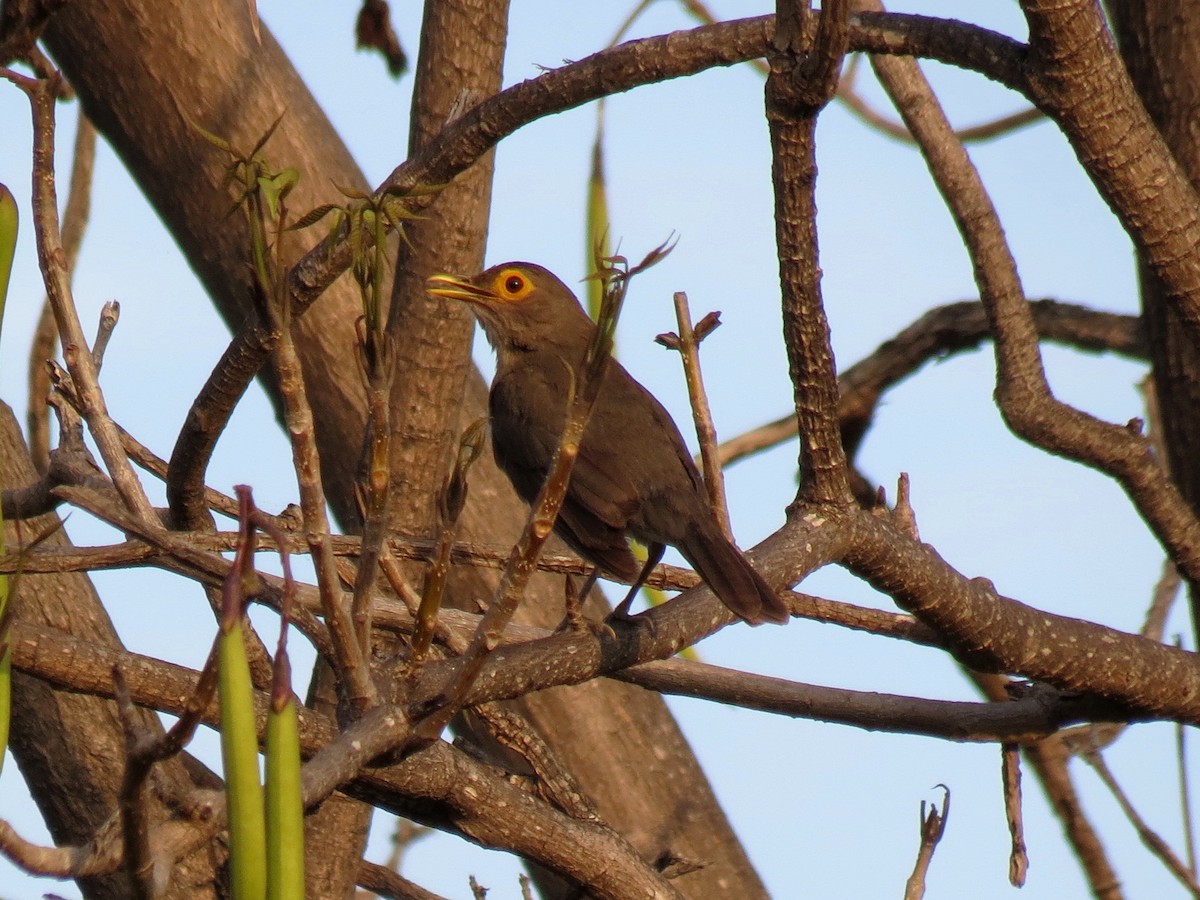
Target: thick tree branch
939,333
1076,75
797,88
992,633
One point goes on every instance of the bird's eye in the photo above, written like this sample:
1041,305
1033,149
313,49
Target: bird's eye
511,285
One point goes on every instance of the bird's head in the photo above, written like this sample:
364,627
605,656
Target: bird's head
521,306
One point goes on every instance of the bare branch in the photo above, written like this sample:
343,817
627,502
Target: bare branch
1150,838
796,89
933,826
1026,719
687,342
1010,778
446,787
74,223
941,332
989,632
54,272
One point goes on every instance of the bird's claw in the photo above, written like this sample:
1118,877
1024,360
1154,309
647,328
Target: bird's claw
622,616
576,624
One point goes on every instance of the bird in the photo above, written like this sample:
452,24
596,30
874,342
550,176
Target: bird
633,477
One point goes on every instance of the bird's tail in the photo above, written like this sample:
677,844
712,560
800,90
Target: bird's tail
733,579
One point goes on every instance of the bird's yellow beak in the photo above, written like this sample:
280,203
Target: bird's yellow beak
457,288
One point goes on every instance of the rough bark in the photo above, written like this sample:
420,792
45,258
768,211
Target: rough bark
462,55
1158,44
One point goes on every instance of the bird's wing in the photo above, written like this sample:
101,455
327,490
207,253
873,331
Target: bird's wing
525,442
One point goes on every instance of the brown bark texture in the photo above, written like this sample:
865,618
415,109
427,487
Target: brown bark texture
1158,44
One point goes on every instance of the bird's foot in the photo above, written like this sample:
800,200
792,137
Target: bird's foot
574,620
623,617
576,624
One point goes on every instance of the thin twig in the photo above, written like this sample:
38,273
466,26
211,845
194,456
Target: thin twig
110,315
1153,842
50,257
933,827
687,342
1010,778
450,501
45,338
349,660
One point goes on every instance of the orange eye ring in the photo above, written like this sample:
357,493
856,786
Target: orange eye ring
512,285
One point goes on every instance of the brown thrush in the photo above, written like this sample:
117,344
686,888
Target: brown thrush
634,475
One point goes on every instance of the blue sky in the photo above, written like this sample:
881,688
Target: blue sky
833,812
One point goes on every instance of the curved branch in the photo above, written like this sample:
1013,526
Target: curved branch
206,420
1076,75
958,327
1026,402
639,63
941,332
